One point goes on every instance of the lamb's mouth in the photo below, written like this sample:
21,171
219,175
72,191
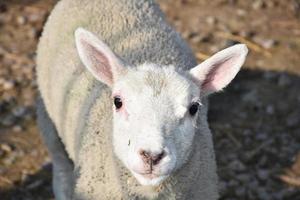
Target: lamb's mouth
150,178
150,175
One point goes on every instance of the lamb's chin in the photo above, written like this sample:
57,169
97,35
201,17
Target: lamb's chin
149,180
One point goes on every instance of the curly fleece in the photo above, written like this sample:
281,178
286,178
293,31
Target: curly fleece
80,107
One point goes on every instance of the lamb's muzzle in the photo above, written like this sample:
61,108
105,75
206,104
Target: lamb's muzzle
151,159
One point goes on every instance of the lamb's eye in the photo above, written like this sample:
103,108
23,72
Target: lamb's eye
194,108
118,102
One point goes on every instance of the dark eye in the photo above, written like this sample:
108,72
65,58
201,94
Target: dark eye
118,102
194,108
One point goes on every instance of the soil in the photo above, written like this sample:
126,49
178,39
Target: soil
255,121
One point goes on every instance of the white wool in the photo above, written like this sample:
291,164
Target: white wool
94,148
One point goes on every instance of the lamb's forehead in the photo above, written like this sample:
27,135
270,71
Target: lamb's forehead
153,81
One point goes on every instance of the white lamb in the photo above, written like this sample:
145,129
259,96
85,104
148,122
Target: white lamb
125,116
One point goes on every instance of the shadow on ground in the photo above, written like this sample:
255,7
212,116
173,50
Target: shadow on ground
256,128
35,187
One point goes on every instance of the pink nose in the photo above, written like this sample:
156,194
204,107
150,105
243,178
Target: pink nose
150,158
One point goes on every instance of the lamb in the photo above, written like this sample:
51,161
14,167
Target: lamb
123,107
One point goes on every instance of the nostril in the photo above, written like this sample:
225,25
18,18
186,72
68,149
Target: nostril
151,158
156,158
144,154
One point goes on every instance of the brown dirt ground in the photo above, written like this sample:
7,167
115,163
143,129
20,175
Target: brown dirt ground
255,121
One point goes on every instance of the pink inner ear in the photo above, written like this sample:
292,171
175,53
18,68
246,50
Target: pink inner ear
100,65
219,75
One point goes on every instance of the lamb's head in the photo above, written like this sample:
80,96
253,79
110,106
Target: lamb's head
155,108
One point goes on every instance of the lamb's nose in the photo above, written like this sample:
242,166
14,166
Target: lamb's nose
151,158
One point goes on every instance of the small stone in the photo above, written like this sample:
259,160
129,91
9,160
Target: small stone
20,153
262,193
214,48
34,17
279,195
10,159
250,97
247,132
261,136
25,176
6,147
268,43
185,34
243,178
7,85
34,153
253,185
196,39
293,120
19,111
271,4
237,165
269,75
211,20
260,62
2,81
270,109
21,20
258,4
34,83
32,33
284,80
246,34
232,183
8,97
34,185
240,191
241,12
262,174
5,18
8,120
263,161
17,129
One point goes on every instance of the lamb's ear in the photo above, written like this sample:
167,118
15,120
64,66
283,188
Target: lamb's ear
97,57
217,72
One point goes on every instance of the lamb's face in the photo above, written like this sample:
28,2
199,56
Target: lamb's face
155,107
155,110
